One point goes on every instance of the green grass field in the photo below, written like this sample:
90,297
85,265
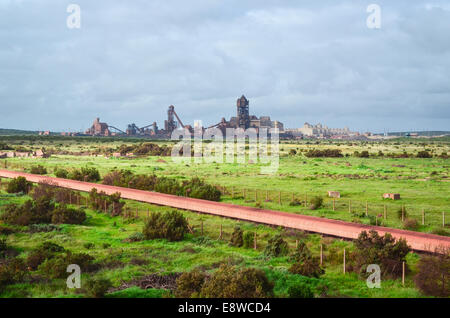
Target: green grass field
422,183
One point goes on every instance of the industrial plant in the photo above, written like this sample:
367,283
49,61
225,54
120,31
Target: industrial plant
243,119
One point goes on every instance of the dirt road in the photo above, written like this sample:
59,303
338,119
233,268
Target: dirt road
418,241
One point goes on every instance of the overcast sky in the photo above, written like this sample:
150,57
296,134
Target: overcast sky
296,61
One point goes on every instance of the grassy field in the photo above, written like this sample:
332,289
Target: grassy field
128,261
422,183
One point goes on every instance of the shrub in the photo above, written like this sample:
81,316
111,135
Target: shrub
229,282
276,246
19,184
46,250
249,239
363,154
433,274
4,230
65,215
316,203
88,245
170,225
237,237
295,202
89,174
332,153
3,247
43,190
61,173
31,212
38,169
385,251
98,201
424,154
56,266
300,290
292,152
189,284
12,271
411,224
135,237
304,263
97,287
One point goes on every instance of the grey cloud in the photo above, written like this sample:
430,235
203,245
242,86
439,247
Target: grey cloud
296,61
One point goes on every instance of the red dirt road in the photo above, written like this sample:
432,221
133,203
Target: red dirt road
418,241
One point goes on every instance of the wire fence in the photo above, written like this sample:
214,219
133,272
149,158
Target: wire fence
382,213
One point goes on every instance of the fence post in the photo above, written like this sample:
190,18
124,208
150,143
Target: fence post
148,212
202,227
113,209
367,208
245,193
344,260
105,206
296,244
267,195
306,200
385,212
254,242
321,255
137,213
279,198
443,219
78,200
376,220
403,274
256,195
70,197
423,217
86,201
403,213
334,204
232,192
349,206
221,233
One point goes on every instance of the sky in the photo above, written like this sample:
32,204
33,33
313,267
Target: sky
296,61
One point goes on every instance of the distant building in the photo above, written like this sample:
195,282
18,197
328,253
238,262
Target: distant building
98,129
245,120
319,130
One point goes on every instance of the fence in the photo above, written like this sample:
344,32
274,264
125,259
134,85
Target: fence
382,213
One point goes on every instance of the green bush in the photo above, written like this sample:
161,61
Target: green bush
410,224
170,225
61,173
88,174
31,212
385,250
56,267
332,153
237,237
38,169
46,250
433,274
300,290
12,271
249,239
18,185
276,246
316,203
65,215
304,262
97,287
229,282
189,284
424,154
